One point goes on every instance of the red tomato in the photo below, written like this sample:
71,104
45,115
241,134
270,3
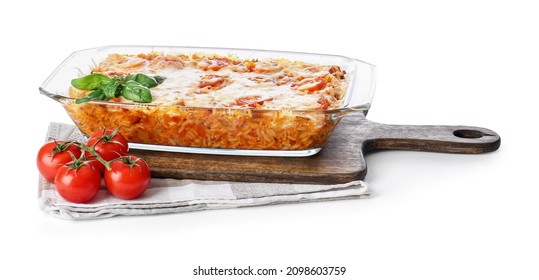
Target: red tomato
53,155
253,101
95,163
128,178
210,81
215,64
109,144
78,185
324,104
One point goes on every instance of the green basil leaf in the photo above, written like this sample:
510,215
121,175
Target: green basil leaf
136,92
83,100
119,90
110,89
92,81
142,79
97,94
159,79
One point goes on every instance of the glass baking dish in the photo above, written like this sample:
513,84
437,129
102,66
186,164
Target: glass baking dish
212,130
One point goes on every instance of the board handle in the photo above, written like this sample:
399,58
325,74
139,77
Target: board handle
431,138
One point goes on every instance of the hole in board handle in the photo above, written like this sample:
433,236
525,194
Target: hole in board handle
467,133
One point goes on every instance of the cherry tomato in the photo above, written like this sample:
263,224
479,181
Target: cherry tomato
128,178
95,164
77,184
53,155
109,144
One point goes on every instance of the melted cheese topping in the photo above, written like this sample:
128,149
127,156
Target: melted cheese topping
204,80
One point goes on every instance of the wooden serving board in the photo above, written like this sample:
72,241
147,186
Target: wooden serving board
341,160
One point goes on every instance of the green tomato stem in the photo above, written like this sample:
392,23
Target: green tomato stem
92,151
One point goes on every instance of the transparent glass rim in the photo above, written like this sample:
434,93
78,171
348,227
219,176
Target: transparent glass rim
67,100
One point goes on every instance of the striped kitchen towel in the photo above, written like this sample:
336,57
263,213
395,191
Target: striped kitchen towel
184,195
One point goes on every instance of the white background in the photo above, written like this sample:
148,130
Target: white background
433,216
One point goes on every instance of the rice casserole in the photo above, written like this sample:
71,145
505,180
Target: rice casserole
219,101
